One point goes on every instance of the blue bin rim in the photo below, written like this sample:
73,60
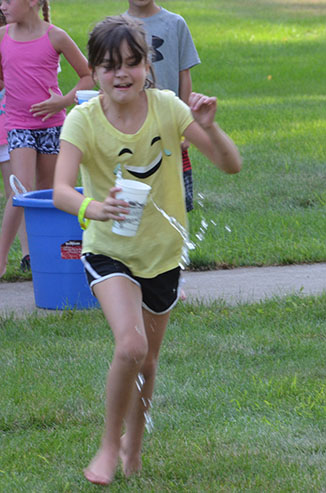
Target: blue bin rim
35,199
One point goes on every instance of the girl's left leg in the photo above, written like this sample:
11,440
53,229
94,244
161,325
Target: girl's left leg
131,441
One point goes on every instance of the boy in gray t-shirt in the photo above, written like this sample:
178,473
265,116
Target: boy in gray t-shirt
174,55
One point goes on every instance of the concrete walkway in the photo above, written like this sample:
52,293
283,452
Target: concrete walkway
243,285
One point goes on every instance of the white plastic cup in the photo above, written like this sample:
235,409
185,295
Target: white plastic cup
85,95
135,193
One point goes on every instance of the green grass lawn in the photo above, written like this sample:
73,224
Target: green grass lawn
264,60
240,401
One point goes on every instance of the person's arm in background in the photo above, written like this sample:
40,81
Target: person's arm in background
185,88
2,33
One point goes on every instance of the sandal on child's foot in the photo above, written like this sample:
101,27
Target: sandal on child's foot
25,263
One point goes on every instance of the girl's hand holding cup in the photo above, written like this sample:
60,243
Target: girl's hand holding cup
113,208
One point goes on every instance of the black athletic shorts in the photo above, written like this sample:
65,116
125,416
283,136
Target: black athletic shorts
160,293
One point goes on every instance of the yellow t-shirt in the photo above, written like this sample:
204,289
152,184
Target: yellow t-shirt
152,156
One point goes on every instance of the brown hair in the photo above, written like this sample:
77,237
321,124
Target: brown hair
107,36
3,21
45,4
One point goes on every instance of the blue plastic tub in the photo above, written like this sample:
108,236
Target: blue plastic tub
54,239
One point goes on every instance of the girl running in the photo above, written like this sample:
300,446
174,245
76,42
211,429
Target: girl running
134,278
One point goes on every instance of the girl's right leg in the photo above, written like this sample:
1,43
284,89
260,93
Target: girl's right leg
121,301
22,162
131,441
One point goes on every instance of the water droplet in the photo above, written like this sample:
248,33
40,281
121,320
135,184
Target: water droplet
228,228
204,224
140,380
138,329
149,424
200,199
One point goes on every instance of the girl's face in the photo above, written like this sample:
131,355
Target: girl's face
124,83
14,10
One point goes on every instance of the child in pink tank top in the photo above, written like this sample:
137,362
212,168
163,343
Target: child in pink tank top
6,171
35,107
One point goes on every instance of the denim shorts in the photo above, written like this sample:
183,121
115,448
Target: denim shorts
43,140
160,293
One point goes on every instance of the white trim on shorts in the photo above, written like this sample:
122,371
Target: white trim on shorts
115,274
99,278
4,154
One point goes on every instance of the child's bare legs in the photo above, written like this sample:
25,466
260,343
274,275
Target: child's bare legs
131,442
24,163
121,301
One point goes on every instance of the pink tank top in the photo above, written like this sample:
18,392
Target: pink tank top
29,69
3,132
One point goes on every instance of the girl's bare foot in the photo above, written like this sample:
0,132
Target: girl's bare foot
102,468
130,465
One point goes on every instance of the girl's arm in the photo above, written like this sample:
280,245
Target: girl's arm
2,33
63,44
65,196
2,85
208,137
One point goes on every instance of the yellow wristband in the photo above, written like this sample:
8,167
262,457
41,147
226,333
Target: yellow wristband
81,213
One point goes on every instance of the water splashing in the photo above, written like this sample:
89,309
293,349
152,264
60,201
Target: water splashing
200,199
140,380
187,244
149,424
202,230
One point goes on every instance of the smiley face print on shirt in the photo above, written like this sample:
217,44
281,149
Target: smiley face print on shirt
142,172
